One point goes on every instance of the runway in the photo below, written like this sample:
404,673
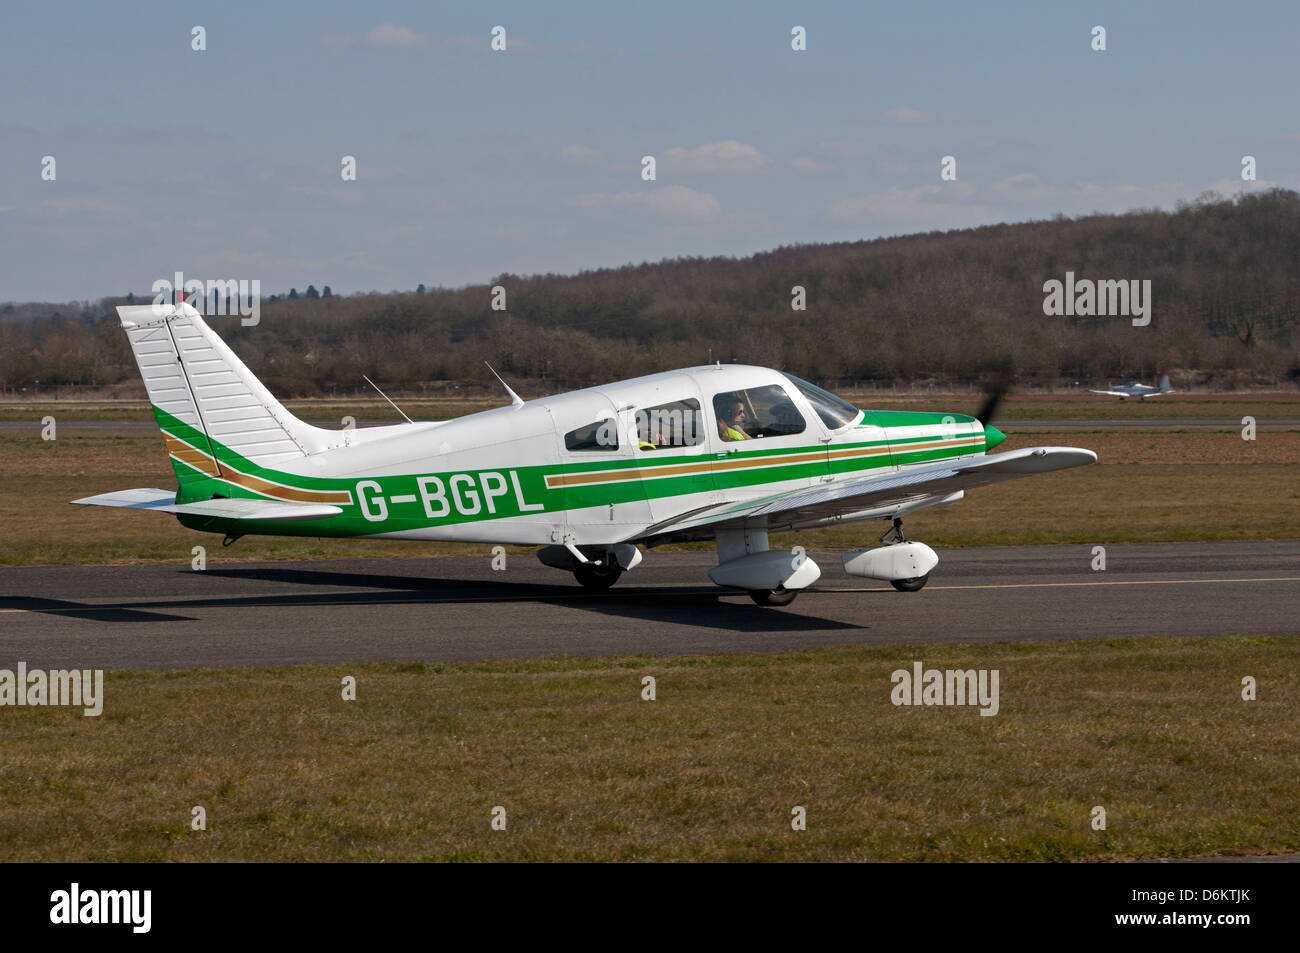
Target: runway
456,609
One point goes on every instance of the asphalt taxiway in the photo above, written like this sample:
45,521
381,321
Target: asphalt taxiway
460,608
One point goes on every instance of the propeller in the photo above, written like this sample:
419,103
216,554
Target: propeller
994,391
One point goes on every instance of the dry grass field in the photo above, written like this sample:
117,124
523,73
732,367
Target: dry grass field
1190,406
1149,485
1153,730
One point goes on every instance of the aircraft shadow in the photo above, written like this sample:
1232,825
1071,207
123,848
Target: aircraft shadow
93,612
678,605
702,607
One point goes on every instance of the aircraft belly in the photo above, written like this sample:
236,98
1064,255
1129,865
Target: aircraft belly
520,532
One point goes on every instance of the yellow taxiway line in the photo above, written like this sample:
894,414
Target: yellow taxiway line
1115,582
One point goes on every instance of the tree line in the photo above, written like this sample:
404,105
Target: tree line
935,308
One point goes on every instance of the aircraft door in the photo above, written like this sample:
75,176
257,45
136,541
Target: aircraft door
673,451
602,497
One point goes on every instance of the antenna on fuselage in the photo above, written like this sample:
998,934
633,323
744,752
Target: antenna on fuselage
385,396
515,399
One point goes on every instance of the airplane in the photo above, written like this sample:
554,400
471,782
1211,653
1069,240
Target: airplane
1134,389
730,453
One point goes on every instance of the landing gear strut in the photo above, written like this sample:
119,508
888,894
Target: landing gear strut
895,533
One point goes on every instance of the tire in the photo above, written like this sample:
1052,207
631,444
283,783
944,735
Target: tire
596,577
773,597
915,584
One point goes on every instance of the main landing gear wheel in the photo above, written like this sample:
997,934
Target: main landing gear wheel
598,575
910,585
773,597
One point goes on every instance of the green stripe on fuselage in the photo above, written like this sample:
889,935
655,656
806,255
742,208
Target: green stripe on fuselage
470,496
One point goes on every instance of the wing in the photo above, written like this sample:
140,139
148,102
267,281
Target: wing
875,497
1112,393
164,501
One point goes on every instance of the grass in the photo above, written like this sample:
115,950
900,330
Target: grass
1149,486
1154,730
1262,405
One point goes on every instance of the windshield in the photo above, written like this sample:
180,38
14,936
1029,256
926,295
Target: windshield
834,412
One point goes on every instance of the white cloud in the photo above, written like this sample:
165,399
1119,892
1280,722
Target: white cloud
810,166
727,156
80,205
398,36
582,155
347,194
905,115
848,150
1017,198
675,202
924,205
1083,197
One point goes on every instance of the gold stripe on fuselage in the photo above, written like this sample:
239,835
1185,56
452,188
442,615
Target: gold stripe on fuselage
203,462
650,471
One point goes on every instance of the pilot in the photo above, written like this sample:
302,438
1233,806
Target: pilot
650,437
731,417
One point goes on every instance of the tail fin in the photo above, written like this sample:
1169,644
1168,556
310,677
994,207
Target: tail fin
208,404
1164,385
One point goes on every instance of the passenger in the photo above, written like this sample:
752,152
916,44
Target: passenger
731,417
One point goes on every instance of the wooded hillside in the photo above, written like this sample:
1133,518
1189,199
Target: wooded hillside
942,307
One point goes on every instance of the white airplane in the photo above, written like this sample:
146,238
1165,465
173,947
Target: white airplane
730,453
1134,389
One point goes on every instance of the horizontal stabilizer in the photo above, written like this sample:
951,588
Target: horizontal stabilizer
164,501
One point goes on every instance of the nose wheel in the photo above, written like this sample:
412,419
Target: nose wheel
895,535
773,597
594,575
910,585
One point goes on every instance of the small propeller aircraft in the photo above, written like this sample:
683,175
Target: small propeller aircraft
1134,389
723,452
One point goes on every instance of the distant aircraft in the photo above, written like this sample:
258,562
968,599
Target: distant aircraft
728,453
1134,389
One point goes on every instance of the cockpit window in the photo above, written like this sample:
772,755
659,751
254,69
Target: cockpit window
598,436
757,412
834,412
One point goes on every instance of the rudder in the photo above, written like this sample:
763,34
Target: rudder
208,404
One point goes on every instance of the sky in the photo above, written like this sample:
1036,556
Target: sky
226,163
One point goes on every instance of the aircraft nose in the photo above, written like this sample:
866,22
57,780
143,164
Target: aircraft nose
992,437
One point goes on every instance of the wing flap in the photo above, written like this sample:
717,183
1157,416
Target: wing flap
879,494
164,501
